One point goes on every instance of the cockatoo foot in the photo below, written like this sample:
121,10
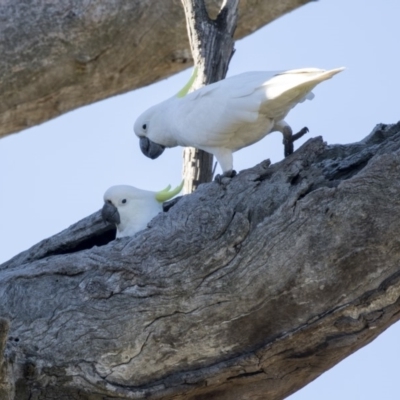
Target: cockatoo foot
289,139
227,174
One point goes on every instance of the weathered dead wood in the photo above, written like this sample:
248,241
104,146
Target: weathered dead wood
212,45
58,56
249,289
6,388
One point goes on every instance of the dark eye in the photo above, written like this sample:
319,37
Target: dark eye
123,201
144,126
109,201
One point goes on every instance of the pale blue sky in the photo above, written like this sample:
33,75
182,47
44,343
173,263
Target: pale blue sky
56,173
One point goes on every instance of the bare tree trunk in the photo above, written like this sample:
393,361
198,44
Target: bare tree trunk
197,168
57,56
249,290
212,47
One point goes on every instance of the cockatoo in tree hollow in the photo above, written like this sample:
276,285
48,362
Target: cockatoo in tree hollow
228,115
131,209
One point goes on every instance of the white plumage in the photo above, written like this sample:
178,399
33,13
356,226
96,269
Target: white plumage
228,115
131,209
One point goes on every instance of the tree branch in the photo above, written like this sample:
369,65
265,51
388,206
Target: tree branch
252,289
56,57
212,47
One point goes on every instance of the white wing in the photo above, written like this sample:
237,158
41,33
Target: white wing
217,114
214,114
287,89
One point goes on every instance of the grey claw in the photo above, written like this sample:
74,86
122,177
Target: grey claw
227,174
289,140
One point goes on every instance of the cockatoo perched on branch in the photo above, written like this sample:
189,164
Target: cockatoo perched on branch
131,209
228,115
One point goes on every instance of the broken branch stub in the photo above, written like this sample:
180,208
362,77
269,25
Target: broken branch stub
212,47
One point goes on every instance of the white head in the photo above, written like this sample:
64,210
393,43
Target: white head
155,126
131,209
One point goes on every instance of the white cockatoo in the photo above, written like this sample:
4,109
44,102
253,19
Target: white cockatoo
131,209
228,115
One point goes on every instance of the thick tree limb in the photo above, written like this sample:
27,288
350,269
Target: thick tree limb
245,290
212,44
58,56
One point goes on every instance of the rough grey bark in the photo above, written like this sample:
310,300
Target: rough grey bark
246,289
212,45
58,56
6,389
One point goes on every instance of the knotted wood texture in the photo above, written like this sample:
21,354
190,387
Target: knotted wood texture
249,289
57,56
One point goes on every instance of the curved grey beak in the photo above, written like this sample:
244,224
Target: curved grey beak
151,149
110,214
